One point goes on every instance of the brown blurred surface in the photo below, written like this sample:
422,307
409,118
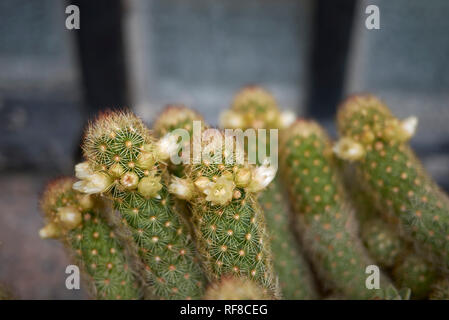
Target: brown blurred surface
31,267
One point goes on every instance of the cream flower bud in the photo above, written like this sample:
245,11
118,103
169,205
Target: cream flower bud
220,192
86,201
146,158
82,170
50,231
287,118
95,183
231,120
262,176
182,188
348,149
116,170
167,146
243,177
129,180
202,183
69,217
149,186
408,127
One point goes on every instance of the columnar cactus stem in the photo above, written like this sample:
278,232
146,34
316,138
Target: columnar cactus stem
253,107
392,175
233,288
74,218
387,247
229,225
324,217
126,165
415,273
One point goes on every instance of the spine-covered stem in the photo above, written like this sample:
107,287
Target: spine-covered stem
324,216
126,165
75,219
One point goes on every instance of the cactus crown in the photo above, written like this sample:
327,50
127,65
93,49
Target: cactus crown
252,107
174,117
62,207
233,288
364,119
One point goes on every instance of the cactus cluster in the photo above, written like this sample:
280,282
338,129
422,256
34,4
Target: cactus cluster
125,164
324,216
218,225
76,220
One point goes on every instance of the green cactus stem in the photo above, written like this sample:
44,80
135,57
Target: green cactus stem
75,219
392,176
127,166
324,217
254,107
415,273
229,225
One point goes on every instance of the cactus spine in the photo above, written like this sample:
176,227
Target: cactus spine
324,216
75,219
126,165
229,225
392,175
253,107
233,288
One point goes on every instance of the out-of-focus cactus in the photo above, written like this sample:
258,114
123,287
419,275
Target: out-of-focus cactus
75,219
323,214
233,288
391,174
415,273
125,164
255,108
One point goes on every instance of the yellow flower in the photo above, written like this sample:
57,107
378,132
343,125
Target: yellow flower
96,182
220,192
262,176
146,158
150,186
50,231
182,188
167,146
69,217
129,180
243,177
348,149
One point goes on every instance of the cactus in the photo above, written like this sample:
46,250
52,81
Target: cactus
383,244
229,225
415,273
75,219
175,117
253,107
233,288
391,174
324,216
125,164
172,118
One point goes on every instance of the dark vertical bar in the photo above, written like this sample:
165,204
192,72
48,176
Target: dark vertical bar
101,54
331,38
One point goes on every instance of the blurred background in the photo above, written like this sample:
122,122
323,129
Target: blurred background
145,54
